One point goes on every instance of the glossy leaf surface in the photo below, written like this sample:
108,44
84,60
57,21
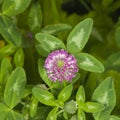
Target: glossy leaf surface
78,37
89,63
15,87
47,43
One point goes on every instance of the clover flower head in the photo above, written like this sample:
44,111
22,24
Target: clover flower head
61,66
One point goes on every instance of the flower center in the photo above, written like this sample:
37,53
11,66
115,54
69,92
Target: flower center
60,63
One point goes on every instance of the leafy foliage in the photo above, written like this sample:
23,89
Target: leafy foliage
30,30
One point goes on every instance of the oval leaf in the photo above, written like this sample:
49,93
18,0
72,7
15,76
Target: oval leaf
81,115
14,116
47,43
65,93
56,28
35,17
14,7
53,114
44,96
80,96
7,50
3,111
89,63
105,94
5,70
74,117
43,72
33,107
92,107
78,37
19,58
15,87
10,31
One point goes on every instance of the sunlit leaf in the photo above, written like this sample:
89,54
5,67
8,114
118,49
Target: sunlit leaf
74,117
33,106
7,50
105,94
14,7
89,63
81,115
78,37
92,107
44,96
19,58
65,93
47,43
53,114
80,96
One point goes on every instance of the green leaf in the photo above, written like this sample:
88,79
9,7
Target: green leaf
113,117
12,115
89,63
44,96
52,114
35,17
65,93
113,62
15,87
81,115
75,78
47,43
92,107
3,111
78,37
55,28
65,115
10,31
105,94
43,72
28,90
7,50
74,117
33,107
14,7
80,96
19,58
26,111
5,70
117,36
